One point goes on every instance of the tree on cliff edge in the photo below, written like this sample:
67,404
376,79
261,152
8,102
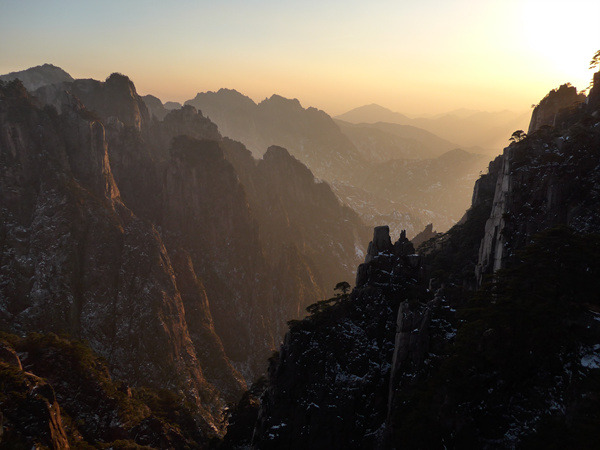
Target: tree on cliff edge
595,62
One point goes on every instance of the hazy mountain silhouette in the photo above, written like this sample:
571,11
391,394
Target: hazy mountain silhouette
38,76
373,113
469,128
343,153
383,141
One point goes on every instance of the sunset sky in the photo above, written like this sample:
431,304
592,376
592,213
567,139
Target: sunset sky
419,57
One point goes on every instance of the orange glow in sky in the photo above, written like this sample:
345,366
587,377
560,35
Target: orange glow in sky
422,58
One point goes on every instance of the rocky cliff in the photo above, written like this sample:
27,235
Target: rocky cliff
155,180
421,355
548,112
172,251
328,385
543,181
77,260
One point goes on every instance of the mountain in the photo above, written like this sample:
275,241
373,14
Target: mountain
155,106
38,76
173,105
167,248
78,261
488,131
346,156
486,337
371,114
309,134
387,141
157,109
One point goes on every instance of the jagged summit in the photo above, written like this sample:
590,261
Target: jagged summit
278,100
229,96
38,76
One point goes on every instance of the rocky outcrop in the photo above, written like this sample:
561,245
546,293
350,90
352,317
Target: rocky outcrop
330,380
424,236
540,184
31,415
593,100
548,111
381,243
492,248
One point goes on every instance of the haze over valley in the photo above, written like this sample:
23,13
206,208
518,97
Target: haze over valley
299,225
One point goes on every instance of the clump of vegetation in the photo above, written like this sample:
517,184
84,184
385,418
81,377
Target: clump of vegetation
342,288
97,411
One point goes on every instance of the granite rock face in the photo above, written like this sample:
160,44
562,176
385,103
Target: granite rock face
328,386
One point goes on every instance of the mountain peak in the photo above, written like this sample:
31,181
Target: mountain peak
38,76
371,114
277,99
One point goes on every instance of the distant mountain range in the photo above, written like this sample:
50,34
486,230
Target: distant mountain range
480,131
354,158
384,141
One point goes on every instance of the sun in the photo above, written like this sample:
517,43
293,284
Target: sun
561,36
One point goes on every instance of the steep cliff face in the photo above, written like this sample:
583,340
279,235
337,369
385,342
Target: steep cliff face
328,386
76,260
175,211
310,240
306,212
192,194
